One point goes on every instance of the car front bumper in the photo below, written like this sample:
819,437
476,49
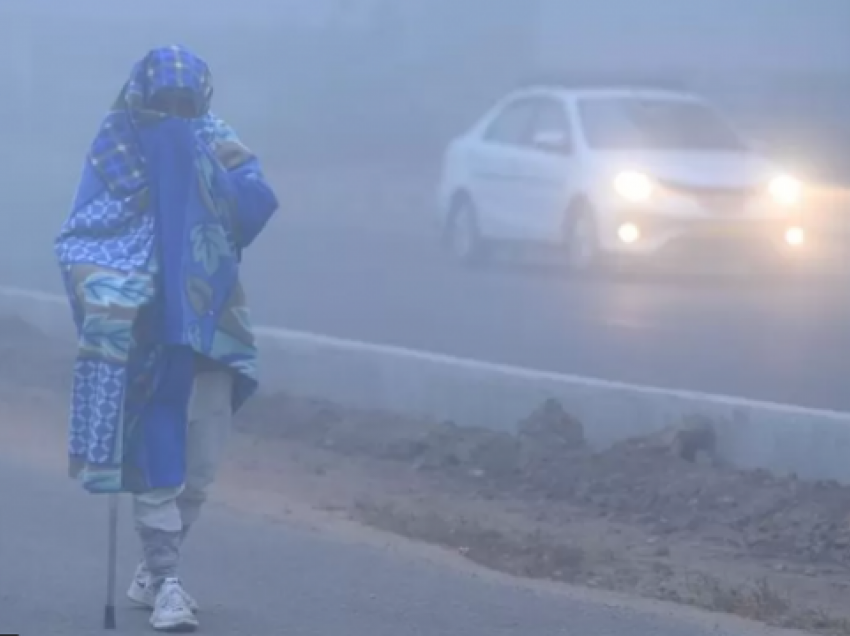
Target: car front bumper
655,233
715,240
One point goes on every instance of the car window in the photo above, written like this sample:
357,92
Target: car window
551,130
512,125
654,124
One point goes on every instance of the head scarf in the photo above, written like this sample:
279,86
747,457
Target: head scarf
115,153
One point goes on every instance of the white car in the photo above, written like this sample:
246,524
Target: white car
613,172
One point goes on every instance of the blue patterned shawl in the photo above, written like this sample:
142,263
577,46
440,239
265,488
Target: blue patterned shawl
150,259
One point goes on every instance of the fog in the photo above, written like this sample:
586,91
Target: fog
349,103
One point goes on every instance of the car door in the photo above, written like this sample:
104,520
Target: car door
550,171
496,169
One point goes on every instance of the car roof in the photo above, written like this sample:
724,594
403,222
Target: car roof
572,85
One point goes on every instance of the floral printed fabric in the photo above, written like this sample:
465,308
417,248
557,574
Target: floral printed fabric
145,272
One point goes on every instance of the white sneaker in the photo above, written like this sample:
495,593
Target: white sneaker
171,613
142,593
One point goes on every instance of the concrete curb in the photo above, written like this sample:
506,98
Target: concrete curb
784,439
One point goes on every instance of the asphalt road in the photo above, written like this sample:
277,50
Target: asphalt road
331,264
772,340
259,577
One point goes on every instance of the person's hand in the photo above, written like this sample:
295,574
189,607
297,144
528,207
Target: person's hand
231,154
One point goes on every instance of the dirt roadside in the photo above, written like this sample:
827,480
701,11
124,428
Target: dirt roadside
645,518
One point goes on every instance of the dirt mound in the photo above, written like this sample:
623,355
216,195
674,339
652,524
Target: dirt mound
668,483
753,511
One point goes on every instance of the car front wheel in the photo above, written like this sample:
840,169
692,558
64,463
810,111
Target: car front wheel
463,236
581,241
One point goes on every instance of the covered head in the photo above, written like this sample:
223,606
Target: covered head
169,82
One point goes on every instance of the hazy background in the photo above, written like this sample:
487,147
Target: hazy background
349,102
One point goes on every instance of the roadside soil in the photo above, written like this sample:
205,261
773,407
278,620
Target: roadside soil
652,517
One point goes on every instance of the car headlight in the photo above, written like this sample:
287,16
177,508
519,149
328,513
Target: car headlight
628,233
785,191
634,186
795,236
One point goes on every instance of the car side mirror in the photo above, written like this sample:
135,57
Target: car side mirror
552,141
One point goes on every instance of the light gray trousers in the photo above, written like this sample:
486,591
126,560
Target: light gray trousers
163,517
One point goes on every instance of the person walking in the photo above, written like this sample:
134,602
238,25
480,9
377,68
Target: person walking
150,256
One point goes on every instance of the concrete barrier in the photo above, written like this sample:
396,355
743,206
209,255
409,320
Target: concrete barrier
783,439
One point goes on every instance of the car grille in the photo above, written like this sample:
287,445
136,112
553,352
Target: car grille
729,201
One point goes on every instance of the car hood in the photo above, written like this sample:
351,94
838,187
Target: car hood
702,169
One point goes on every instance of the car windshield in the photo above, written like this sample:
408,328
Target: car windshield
654,124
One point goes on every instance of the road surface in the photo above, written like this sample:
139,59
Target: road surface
776,341
258,576
344,269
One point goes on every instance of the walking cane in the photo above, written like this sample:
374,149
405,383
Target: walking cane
109,610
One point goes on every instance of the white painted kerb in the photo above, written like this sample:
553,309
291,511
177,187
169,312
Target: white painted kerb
812,443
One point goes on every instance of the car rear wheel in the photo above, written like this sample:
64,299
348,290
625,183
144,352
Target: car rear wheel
463,236
581,241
